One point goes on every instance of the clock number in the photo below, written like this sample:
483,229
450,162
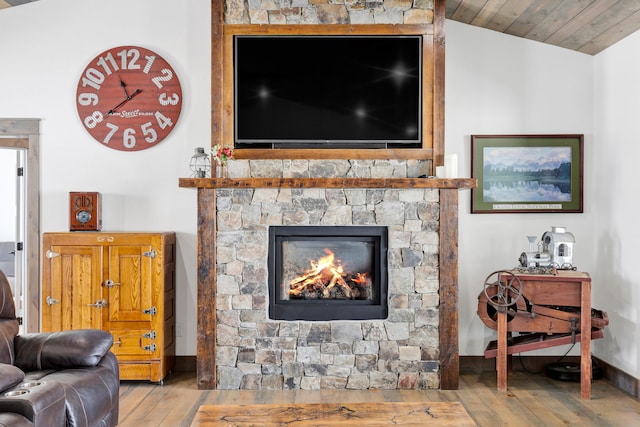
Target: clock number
150,59
93,78
129,139
113,130
87,99
125,62
164,100
103,63
163,121
150,134
167,75
92,120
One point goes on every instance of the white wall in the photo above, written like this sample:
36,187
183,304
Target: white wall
617,229
46,46
8,165
499,84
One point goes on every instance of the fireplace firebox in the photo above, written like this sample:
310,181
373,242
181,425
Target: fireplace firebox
327,272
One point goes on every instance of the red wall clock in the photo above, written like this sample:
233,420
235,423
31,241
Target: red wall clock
129,98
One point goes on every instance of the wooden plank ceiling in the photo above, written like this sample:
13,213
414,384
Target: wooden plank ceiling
587,26
8,3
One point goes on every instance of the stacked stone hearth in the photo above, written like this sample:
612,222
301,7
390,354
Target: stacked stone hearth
254,352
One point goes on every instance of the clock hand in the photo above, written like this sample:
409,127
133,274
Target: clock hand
127,99
124,87
137,91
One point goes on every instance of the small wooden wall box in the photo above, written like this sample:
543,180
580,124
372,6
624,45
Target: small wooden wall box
85,211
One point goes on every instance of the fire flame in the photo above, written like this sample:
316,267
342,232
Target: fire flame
327,279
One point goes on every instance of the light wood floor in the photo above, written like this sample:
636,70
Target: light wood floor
532,400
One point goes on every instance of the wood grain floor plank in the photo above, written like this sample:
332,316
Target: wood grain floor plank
479,408
540,411
565,400
531,400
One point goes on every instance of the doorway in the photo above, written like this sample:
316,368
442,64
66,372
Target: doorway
12,222
20,150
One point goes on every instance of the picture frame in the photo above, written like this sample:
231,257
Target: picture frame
527,173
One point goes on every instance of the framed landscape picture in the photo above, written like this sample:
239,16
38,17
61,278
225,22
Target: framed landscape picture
527,173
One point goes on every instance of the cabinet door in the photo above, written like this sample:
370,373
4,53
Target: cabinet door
136,343
129,287
72,294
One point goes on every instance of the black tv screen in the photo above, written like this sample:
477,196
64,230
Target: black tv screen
328,91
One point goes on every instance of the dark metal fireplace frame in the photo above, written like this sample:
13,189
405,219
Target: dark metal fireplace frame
322,310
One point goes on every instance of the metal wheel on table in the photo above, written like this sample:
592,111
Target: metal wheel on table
502,289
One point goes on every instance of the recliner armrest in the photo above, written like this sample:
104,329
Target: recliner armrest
40,402
60,350
9,376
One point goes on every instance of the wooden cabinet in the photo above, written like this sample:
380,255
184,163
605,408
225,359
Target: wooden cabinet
123,283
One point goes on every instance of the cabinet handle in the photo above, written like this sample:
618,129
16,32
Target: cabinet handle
100,303
51,301
110,283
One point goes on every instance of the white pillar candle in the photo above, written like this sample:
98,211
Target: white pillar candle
451,165
440,172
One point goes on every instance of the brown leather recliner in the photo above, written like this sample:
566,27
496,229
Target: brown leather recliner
66,379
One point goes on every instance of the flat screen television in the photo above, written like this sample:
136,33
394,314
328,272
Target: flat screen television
305,91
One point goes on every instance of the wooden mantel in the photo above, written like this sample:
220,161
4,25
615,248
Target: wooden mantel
448,310
328,183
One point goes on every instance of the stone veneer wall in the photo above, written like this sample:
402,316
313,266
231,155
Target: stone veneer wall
328,11
400,352
254,352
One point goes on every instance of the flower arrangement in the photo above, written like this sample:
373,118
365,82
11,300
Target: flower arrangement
222,154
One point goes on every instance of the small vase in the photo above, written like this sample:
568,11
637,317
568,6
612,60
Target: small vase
221,171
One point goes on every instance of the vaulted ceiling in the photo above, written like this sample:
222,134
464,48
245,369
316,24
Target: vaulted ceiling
587,26
8,3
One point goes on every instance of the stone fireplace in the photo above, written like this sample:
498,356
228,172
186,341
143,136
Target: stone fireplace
414,346
397,350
